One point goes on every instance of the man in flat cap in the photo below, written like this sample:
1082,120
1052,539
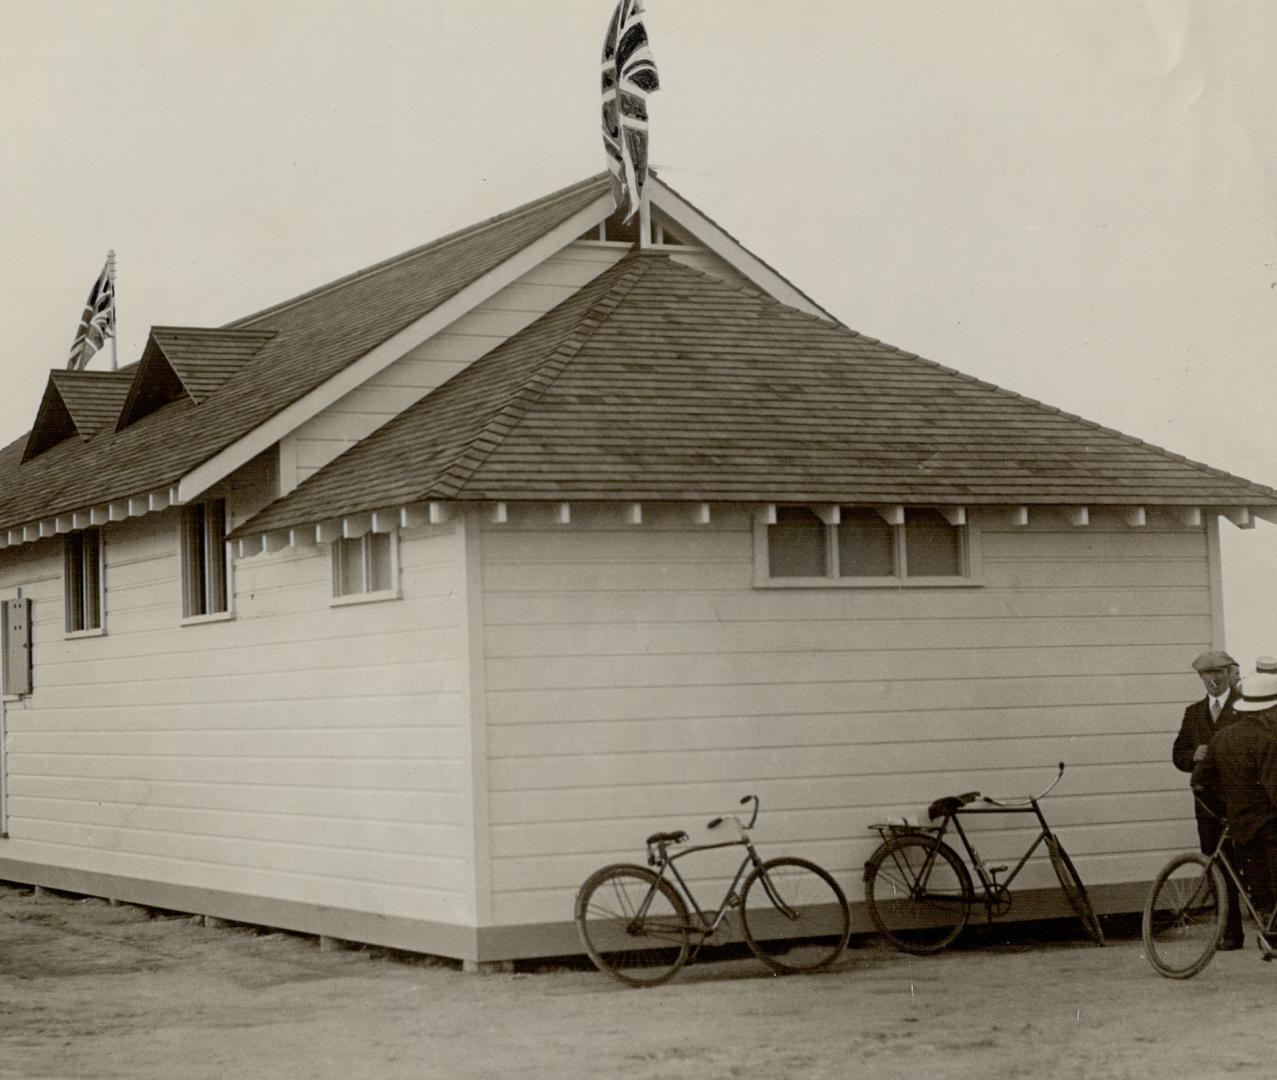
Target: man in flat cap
1202,720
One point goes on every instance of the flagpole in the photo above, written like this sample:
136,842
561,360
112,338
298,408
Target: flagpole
115,309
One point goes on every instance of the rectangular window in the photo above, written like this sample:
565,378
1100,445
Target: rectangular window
366,566
204,560
864,547
82,581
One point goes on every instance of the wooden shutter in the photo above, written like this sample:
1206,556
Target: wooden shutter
15,616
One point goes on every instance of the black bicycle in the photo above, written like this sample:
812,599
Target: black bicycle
1187,910
635,924
918,888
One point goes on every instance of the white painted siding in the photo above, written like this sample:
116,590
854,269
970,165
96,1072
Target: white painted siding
297,751
362,411
636,680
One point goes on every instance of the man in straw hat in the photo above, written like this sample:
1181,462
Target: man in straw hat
1240,766
1202,720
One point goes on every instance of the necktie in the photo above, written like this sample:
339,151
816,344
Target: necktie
1215,709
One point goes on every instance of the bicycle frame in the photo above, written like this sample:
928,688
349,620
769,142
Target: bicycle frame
992,889
709,923
988,879
1219,857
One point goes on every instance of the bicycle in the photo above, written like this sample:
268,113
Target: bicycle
1187,910
919,891
635,924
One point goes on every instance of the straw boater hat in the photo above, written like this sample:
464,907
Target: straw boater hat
1259,692
1266,665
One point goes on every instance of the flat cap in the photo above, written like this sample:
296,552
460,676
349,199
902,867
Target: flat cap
1213,661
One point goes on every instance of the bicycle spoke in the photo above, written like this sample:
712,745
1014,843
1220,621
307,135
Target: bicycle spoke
633,926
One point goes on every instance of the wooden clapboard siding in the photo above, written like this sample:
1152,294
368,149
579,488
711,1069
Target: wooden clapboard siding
299,751
363,410
636,679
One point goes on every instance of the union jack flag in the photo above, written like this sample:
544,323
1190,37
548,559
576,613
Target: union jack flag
97,324
629,75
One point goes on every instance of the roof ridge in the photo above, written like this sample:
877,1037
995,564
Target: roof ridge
542,376
466,232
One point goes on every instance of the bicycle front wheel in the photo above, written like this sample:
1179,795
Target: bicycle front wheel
794,915
918,892
1184,915
1073,888
633,925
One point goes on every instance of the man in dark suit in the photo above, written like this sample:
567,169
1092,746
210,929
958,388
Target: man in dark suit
1202,720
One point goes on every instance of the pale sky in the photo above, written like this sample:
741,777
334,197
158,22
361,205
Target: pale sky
1071,198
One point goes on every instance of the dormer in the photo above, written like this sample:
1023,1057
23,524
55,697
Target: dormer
189,362
76,403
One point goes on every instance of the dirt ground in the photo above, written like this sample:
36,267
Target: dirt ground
90,990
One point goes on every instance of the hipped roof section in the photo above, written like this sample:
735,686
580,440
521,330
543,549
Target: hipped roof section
224,395
658,382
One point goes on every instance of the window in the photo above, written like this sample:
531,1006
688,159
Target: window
82,581
204,560
864,547
366,567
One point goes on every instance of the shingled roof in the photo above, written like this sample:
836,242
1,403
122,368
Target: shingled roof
313,337
76,403
658,382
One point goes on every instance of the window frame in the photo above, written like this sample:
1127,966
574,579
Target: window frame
83,631
184,569
969,555
365,596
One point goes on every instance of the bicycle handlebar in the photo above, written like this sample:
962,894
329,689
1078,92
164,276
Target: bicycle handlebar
716,822
1032,798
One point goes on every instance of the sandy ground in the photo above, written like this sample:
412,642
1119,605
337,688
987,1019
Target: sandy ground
89,990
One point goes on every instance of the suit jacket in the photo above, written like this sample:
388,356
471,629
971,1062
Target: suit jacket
1240,767
1197,730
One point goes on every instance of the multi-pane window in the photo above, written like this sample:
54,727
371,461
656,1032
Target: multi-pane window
865,545
204,590
365,565
82,580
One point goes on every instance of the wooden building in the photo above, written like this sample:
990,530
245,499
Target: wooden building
390,612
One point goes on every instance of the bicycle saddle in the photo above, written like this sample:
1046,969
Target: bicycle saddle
950,803
666,838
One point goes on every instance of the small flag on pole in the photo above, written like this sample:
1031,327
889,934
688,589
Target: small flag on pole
629,75
97,324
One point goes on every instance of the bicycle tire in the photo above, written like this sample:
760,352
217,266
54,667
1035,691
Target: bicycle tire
1071,883
794,915
920,916
1184,915
637,952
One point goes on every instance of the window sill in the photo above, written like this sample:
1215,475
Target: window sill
364,598
869,583
200,620
74,635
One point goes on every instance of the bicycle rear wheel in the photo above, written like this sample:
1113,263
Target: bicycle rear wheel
794,915
633,925
1071,883
918,892
1184,915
